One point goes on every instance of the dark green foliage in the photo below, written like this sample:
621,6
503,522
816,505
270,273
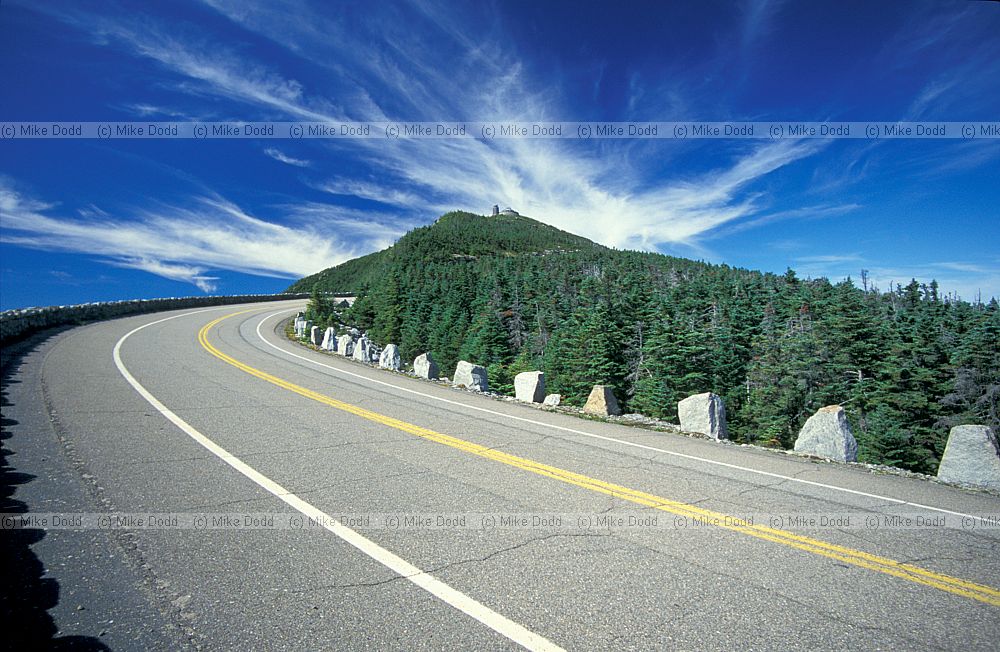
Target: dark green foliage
456,236
513,294
321,309
676,365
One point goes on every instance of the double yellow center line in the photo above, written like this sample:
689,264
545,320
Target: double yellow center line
858,558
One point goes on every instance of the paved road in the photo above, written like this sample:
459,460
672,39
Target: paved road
241,421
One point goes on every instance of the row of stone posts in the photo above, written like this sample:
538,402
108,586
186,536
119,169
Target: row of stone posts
351,344
972,455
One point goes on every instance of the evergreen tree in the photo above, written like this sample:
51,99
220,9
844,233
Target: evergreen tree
387,322
320,308
514,294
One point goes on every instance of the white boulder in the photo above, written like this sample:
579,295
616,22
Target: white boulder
530,386
389,359
705,414
472,376
362,351
602,402
972,457
329,339
827,434
425,367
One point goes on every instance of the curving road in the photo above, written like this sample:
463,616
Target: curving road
213,414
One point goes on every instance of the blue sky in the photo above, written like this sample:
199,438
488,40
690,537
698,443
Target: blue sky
85,220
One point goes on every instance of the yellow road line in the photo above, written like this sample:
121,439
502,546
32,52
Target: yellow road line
858,558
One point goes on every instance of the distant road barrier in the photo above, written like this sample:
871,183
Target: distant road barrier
16,324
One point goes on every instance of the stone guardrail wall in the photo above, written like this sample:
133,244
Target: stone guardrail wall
16,324
972,455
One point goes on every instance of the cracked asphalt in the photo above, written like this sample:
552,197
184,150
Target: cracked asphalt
79,438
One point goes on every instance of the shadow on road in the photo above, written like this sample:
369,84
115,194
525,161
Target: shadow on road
25,594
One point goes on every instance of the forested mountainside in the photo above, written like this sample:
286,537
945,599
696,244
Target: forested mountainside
514,295
456,236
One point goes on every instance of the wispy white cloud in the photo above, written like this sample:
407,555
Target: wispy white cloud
386,193
927,97
278,155
787,244
214,68
815,212
966,279
601,196
371,229
965,267
956,157
605,192
968,87
145,110
185,243
757,18
175,272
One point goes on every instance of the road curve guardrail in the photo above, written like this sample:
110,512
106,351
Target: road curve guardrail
17,324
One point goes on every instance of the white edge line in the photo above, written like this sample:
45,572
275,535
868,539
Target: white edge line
602,437
453,597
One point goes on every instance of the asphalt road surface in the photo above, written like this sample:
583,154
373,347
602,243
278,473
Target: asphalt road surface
250,493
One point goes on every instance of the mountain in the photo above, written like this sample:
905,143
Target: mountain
515,294
454,236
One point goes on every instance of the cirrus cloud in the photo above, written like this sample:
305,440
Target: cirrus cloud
184,243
